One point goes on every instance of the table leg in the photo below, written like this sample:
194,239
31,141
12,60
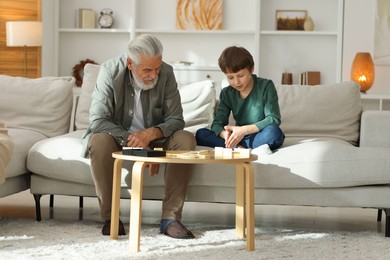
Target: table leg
250,207
136,206
240,201
116,188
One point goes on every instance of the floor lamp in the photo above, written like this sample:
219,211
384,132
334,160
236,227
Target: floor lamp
24,34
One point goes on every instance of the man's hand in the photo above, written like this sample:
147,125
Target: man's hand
153,168
144,137
138,139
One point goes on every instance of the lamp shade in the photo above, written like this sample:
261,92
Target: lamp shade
363,70
24,33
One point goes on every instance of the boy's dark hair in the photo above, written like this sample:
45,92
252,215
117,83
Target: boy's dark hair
234,59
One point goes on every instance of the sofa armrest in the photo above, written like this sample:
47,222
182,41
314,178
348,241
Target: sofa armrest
6,148
375,129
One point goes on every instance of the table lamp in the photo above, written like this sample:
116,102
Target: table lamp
363,71
24,34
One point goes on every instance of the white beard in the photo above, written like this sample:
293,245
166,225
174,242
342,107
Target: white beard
139,83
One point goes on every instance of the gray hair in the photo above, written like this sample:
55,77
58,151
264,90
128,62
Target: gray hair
144,44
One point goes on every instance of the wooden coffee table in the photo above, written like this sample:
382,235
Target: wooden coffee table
244,190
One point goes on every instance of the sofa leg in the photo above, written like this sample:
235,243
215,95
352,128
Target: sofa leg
51,202
37,198
379,216
81,205
387,228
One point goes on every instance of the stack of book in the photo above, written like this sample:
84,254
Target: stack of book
310,78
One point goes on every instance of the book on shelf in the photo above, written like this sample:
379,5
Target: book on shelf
85,18
310,78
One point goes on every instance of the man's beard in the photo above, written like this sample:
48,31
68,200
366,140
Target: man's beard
140,83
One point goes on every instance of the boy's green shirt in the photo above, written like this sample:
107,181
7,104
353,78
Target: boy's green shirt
260,107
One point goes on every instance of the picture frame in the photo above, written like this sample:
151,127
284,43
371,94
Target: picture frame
199,14
290,19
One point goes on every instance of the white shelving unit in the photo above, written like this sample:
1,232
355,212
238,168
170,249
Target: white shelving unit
299,51
375,102
64,45
248,23
200,48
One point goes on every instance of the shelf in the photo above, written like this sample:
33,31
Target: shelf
216,32
303,33
375,101
75,30
181,66
375,96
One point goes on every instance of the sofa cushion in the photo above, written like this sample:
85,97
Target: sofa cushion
43,105
59,158
322,162
91,72
332,110
306,163
198,102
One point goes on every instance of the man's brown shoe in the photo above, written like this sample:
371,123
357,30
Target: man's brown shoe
107,227
176,229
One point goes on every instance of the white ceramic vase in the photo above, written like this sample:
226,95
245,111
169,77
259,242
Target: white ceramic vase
309,24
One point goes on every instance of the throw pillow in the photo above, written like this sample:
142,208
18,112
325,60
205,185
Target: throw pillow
43,105
331,110
198,101
91,72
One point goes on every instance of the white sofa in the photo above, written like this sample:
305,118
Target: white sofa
334,154
31,110
6,149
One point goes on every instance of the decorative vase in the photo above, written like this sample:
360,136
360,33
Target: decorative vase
308,24
363,70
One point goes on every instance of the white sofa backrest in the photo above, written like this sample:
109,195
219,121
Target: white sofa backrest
198,101
332,110
43,105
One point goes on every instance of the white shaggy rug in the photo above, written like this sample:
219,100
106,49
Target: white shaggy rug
59,239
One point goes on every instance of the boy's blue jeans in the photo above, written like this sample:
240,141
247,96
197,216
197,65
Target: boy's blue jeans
271,135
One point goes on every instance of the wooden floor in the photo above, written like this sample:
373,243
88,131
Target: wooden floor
22,205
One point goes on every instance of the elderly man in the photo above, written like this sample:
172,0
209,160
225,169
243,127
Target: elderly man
136,103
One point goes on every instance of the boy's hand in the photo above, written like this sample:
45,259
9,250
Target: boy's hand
234,136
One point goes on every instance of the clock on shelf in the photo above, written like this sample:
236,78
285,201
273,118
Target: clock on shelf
106,20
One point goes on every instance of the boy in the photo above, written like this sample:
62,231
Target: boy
252,100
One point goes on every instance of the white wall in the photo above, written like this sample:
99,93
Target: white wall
359,28
48,51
